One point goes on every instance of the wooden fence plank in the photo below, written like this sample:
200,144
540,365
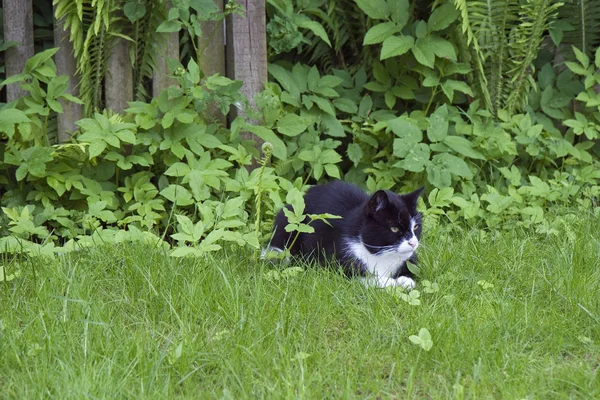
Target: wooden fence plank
118,82
212,53
66,65
168,49
247,51
18,26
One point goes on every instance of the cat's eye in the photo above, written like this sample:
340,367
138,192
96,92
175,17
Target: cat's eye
394,229
416,227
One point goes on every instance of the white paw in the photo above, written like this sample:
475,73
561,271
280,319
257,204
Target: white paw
406,282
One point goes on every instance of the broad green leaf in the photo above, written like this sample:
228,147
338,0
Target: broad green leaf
423,340
207,140
333,126
406,130
184,251
390,99
292,125
14,79
365,106
416,155
456,166
316,28
421,29
9,117
7,45
178,195
134,10
300,76
414,268
193,72
305,228
576,68
583,59
513,175
355,153
178,169
167,120
21,172
326,92
96,148
462,146
346,105
423,52
169,26
323,104
285,79
295,198
382,75
376,87
40,58
400,12
449,86
203,6
380,32
330,81
396,46
441,47
376,9
185,224
329,156
313,78
266,134
332,171
126,136
442,17
438,125
438,175
318,170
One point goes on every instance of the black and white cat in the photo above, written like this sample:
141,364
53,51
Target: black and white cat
375,237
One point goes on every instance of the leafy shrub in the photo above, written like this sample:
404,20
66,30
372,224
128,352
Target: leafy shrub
167,173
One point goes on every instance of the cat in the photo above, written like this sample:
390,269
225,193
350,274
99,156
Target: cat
374,239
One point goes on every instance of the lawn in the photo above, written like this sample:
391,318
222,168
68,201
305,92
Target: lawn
517,315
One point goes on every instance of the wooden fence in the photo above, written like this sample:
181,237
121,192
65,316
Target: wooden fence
238,51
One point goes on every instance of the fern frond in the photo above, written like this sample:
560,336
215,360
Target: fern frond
534,19
145,49
504,37
469,27
94,25
584,16
346,26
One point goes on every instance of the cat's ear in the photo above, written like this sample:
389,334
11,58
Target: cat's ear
378,201
412,198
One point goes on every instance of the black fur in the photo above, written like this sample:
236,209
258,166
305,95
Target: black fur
364,216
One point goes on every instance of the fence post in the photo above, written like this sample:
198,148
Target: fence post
66,65
168,49
118,81
212,53
212,57
247,52
18,27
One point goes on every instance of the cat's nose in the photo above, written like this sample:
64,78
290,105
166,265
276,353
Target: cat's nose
413,243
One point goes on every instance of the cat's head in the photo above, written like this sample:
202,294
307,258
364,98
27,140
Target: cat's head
392,223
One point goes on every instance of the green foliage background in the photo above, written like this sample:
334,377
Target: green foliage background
496,112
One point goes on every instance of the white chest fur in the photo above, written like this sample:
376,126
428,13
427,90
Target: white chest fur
381,266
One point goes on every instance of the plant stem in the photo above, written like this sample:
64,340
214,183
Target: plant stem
431,100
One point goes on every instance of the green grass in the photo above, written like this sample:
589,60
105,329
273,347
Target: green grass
129,322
